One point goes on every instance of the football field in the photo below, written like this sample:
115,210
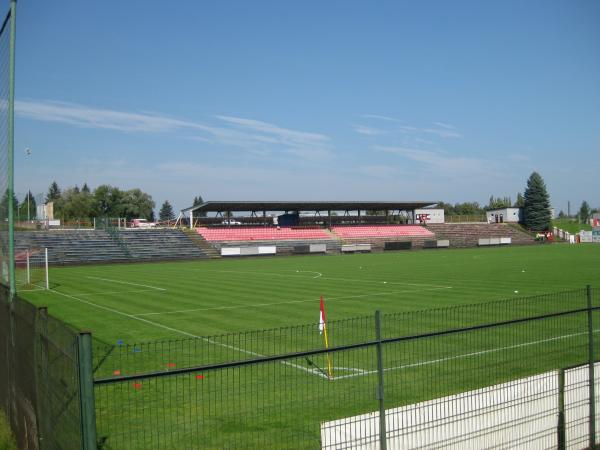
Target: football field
170,300
201,320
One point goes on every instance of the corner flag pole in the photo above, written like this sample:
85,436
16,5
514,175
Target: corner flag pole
323,331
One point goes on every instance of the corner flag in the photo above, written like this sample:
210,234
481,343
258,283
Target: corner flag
322,317
323,331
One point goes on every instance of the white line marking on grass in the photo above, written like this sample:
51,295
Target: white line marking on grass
318,274
263,305
352,280
466,355
185,333
127,282
118,292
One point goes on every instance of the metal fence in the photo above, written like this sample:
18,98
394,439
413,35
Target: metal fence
40,381
501,374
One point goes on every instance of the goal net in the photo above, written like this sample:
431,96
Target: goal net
31,269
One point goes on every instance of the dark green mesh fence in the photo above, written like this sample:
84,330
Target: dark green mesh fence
473,376
5,146
39,383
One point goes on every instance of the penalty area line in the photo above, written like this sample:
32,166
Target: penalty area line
126,282
185,333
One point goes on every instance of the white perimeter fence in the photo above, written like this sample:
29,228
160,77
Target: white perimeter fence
520,414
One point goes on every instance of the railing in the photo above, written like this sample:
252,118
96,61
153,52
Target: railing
477,218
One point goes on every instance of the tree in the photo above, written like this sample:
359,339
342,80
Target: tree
27,209
520,201
76,204
107,201
497,203
536,208
53,192
136,204
85,188
584,212
166,212
4,205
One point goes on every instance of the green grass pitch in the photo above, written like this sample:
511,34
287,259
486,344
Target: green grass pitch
221,296
283,404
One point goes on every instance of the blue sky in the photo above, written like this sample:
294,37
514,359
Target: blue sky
341,100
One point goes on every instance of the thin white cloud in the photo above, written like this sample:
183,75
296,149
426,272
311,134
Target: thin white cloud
440,129
368,131
299,143
445,133
380,117
442,163
254,136
445,125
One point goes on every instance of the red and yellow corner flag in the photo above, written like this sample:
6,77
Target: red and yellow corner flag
323,331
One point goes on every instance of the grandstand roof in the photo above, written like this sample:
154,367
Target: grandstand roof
217,206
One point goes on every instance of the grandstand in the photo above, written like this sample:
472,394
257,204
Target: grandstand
66,247
393,228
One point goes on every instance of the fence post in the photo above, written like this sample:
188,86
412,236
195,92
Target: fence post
380,390
41,373
591,378
86,391
561,410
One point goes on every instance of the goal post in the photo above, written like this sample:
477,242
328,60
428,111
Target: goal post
31,269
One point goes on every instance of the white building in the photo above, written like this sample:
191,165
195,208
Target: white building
429,215
500,215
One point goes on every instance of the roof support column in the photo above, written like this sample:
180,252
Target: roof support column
191,219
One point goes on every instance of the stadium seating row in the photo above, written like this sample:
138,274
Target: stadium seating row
382,231
261,234
286,233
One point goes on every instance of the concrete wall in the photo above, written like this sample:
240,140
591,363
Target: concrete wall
520,414
509,215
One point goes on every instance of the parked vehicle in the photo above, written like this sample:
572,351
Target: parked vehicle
142,223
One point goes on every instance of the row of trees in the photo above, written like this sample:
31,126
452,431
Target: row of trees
583,215
105,201
474,208
535,203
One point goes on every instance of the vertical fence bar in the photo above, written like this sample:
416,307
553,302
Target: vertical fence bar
46,267
86,390
380,385
591,378
41,372
561,430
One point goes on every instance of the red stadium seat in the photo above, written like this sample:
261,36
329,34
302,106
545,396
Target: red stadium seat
261,234
375,231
